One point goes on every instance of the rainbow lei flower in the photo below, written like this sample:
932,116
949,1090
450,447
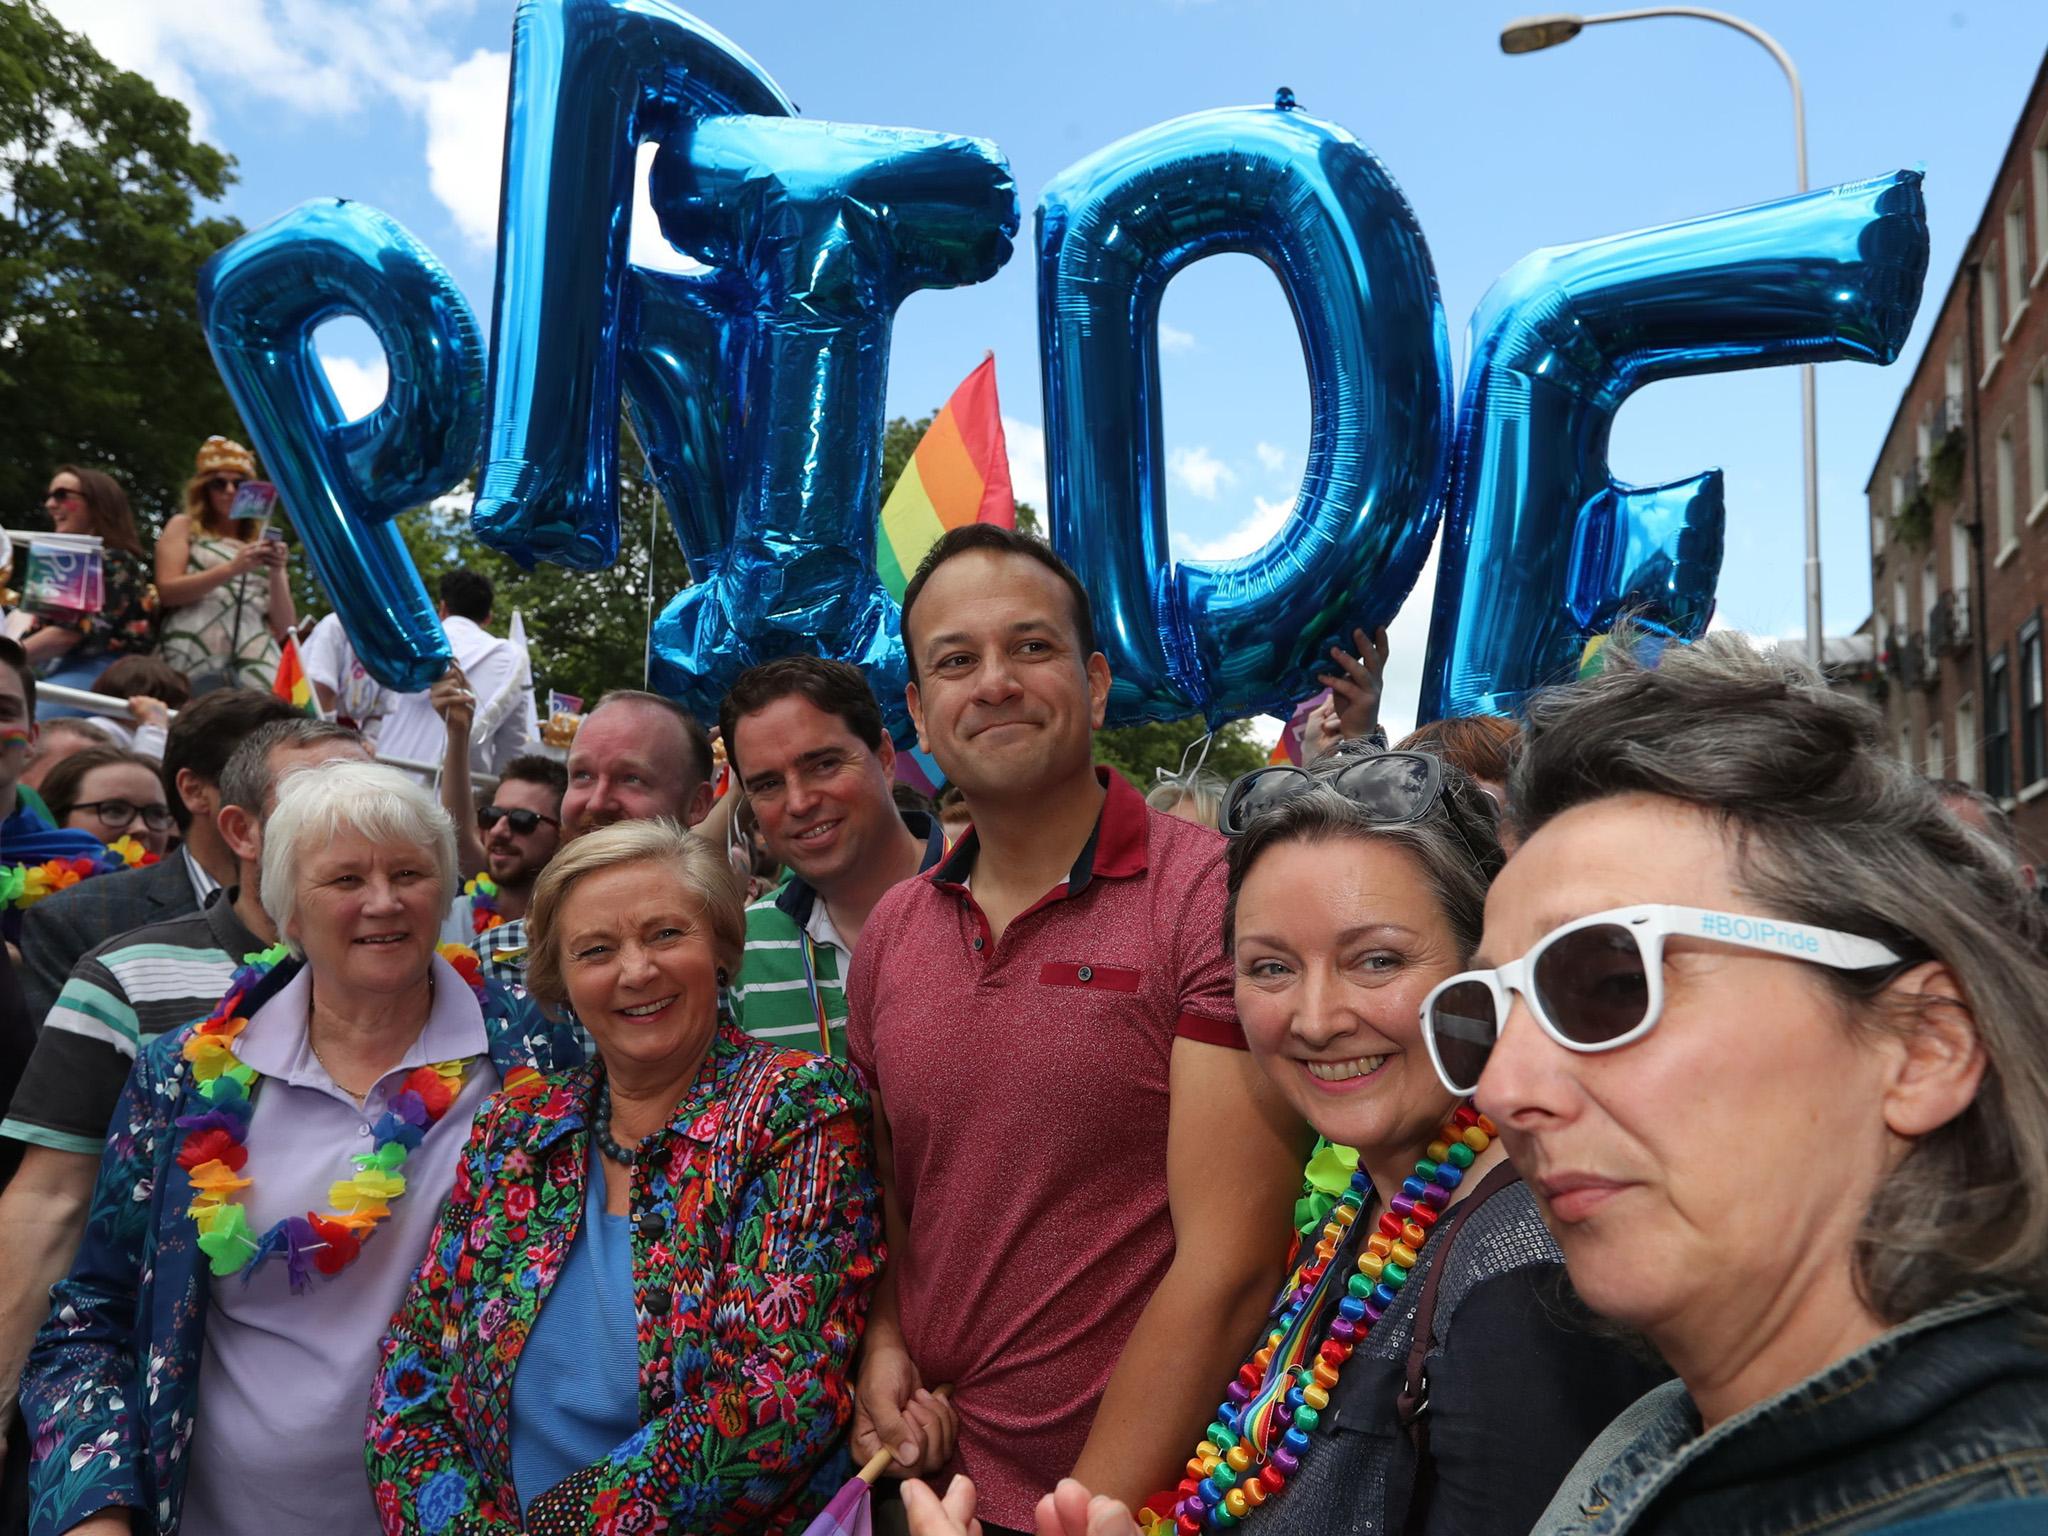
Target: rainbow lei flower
23,885
484,915
214,1151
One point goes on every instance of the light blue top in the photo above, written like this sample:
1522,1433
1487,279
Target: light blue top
576,1393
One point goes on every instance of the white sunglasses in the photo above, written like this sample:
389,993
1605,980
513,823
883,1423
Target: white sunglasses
1597,983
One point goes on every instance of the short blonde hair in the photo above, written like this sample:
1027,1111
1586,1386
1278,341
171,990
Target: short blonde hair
322,799
703,869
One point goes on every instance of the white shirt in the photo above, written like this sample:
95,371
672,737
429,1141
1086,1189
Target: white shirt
330,661
413,731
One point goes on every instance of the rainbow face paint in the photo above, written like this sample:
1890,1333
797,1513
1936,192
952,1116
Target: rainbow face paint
13,736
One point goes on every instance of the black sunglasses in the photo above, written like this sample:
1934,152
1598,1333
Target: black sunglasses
521,821
225,483
122,813
1393,788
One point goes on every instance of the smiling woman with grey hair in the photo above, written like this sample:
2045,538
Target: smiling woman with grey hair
1767,1030
297,1144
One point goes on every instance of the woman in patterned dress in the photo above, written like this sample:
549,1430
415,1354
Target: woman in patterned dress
639,1307
221,617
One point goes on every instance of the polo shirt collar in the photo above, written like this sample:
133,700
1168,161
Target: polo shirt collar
1115,850
277,1044
798,896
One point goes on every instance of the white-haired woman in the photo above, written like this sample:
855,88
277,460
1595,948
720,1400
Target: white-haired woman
640,1304
268,1187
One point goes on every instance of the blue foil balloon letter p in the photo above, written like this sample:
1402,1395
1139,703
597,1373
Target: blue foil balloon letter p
343,481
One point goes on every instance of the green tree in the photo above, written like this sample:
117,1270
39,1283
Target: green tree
1141,752
102,359
899,441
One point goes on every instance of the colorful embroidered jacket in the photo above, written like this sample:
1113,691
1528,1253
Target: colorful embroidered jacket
756,1225
111,1384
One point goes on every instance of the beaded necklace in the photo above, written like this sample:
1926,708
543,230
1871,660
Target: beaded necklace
601,1127
484,915
23,885
214,1150
1261,1430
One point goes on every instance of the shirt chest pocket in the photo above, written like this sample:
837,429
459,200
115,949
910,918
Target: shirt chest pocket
1083,974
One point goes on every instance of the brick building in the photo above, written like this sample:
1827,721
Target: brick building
1959,509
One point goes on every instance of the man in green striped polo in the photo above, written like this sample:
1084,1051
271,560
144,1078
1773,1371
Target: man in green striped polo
805,739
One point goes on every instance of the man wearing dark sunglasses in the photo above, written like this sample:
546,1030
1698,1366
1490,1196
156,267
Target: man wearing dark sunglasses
513,838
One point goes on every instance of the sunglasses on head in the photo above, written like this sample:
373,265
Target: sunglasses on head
521,820
1597,983
1392,788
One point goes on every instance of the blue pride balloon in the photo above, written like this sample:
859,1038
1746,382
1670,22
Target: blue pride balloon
1542,547
342,481
591,80
1315,205
827,228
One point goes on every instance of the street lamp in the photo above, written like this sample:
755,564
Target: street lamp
1532,34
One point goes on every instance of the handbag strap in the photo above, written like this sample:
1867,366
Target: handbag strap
1414,1396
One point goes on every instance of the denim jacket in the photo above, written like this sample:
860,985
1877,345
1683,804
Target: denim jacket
1948,1409
112,1383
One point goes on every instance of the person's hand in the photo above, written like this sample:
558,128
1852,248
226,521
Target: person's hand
892,1409
147,711
1320,732
248,557
929,1516
274,553
452,699
1071,1510
1355,686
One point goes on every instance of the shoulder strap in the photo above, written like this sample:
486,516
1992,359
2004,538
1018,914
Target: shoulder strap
1414,1396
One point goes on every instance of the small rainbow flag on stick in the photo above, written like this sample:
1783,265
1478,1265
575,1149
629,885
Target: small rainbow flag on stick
959,474
291,683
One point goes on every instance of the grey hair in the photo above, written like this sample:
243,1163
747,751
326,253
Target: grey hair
1205,789
1455,844
1828,828
702,867
247,780
317,802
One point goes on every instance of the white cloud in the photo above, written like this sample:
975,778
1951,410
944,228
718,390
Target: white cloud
1267,518
1272,456
1026,445
1200,472
1173,339
648,246
358,385
465,118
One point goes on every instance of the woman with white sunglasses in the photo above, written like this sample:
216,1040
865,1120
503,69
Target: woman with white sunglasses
1766,1030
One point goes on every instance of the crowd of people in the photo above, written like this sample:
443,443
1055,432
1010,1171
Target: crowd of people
562,1147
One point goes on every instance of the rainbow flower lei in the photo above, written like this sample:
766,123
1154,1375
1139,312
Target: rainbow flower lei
484,915
214,1150
23,885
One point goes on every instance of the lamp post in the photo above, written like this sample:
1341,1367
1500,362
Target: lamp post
1534,33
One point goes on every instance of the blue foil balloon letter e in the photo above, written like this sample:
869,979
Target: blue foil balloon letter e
1542,547
341,481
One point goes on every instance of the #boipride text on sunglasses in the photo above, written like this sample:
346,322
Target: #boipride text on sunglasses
808,236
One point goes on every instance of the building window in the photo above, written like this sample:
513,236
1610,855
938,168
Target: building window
1906,742
2015,259
1959,565
2037,441
2033,720
1923,443
1936,767
1987,300
1966,740
2041,207
1997,729
1952,383
2008,493
1899,620
1930,593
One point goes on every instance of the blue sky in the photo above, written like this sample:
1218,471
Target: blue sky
400,103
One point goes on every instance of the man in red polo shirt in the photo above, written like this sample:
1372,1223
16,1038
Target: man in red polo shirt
1088,1182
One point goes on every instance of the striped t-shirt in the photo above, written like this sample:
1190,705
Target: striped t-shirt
121,995
773,1000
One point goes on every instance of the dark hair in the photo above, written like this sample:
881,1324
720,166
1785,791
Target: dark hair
61,788
532,768
107,506
907,798
1484,746
145,676
832,687
206,733
693,728
467,595
1996,820
247,778
15,659
1002,541
1827,827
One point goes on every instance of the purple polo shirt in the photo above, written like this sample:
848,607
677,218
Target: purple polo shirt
285,1380
1026,1086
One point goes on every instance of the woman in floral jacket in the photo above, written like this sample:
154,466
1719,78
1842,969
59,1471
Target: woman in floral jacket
637,1311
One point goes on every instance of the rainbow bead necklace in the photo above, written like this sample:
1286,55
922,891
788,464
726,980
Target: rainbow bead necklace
1262,1428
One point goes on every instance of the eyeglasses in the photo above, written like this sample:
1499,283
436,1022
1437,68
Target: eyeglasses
521,821
225,483
63,493
1392,788
117,814
1597,983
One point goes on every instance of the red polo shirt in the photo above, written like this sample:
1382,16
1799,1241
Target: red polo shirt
1025,1083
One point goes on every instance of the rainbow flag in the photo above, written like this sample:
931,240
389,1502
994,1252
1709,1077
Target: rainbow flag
291,683
959,474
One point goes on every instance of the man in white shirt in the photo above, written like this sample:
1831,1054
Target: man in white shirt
413,731
343,686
